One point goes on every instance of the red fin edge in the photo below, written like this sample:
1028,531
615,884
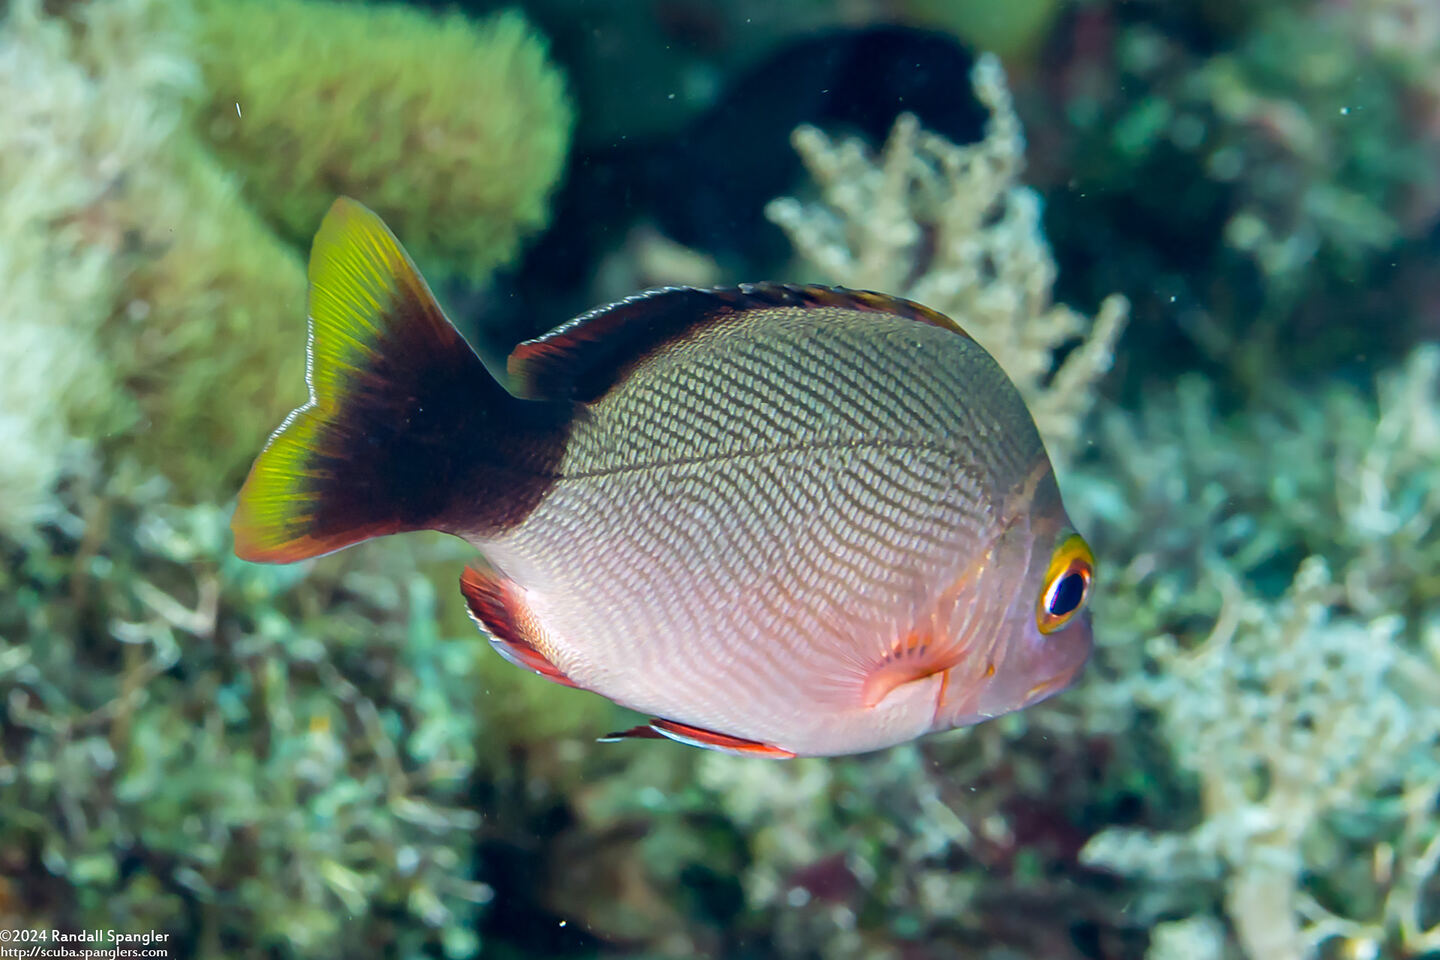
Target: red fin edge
505,621
699,737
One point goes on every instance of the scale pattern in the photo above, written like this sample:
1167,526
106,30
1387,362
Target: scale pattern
751,519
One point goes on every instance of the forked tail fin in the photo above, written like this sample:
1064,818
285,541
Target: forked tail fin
405,429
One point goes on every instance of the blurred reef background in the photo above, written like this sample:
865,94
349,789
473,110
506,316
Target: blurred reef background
1203,237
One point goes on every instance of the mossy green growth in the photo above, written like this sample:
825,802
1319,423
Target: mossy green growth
154,310
209,339
67,124
452,132
181,280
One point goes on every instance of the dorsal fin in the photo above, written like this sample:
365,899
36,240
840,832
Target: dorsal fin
583,358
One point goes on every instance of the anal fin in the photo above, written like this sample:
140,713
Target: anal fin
642,732
698,737
503,617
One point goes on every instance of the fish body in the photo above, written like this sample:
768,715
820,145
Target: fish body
784,520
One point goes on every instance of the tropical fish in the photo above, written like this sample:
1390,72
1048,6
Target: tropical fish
784,520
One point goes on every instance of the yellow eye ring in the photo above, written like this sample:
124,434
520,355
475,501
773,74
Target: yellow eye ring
1067,584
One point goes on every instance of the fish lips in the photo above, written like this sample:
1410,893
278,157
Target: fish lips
1031,667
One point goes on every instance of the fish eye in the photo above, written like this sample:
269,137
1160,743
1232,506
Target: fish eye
1067,584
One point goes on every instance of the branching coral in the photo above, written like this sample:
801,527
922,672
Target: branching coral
1288,714
950,227
253,760
1307,720
1327,472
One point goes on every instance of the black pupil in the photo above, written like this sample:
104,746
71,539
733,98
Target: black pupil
1067,595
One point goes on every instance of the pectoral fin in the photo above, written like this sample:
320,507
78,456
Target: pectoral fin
915,657
931,645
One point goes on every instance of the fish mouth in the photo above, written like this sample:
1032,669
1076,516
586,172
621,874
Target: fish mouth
950,715
1054,685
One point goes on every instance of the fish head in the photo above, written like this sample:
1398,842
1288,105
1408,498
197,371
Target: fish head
1035,645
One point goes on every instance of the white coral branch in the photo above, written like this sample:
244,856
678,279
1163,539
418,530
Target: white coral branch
952,227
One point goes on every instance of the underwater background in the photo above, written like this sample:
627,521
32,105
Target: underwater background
1202,236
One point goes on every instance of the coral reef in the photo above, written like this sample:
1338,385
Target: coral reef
259,762
1306,718
181,293
249,758
325,760
1292,716
950,227
1256,175
454,133
64,136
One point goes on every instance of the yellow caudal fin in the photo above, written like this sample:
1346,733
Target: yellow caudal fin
387,435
